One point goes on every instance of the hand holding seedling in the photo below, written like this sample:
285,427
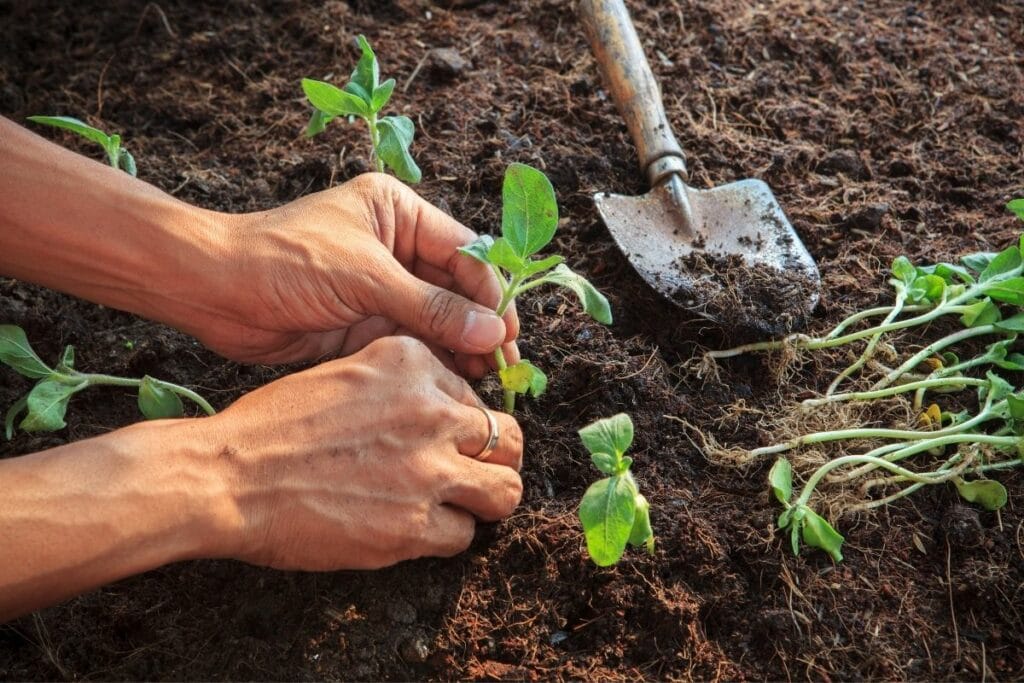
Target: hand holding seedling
326,274
357,463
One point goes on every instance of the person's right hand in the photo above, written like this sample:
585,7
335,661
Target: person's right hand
363,462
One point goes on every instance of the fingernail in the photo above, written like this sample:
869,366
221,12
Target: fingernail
482,330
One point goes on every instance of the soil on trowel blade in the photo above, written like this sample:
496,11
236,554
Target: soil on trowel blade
738,295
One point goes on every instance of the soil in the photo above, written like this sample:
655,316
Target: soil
884,128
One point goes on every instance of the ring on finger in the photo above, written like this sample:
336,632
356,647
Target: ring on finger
492,435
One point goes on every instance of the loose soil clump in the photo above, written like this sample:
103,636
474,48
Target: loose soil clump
923,100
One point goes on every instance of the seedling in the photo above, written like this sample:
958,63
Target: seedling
529,219
117,156
363,97
613,512
47,403
985,291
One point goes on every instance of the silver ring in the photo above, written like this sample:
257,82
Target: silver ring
492,435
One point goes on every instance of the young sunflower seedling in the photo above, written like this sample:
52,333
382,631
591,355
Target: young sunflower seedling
529,219
613,512
117,156
363,97
986,292
47,403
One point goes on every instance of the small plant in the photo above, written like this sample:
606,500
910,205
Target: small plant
613,511
364,96
528,222
985,291
47,402
117,156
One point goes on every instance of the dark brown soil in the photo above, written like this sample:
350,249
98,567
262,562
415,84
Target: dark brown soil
884,128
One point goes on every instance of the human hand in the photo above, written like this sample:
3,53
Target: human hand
363,462
333,271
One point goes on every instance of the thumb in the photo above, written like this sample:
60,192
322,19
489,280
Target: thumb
440,316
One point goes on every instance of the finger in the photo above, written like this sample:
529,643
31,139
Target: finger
437,315
474,432
473,367
443,278
425,234
452,531
366,331
490,492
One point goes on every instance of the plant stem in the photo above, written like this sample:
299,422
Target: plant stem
869,350
931,349
371,122
509,290
110,380
898,389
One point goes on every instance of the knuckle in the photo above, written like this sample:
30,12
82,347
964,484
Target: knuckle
512,494
439,310
398,345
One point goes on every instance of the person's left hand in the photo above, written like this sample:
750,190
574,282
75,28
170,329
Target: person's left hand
331,272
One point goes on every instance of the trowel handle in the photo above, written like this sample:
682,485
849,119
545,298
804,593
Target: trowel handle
617,49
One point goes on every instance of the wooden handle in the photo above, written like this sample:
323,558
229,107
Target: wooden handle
627,75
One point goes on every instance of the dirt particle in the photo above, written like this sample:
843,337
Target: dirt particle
845,162
868,217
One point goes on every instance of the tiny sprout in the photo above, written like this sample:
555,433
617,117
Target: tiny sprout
364,96
613,512
117,156
528,222
47,403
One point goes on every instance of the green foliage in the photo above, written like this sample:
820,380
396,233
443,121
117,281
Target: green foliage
613,512
528,222
364,97
47,403
117,156
985,291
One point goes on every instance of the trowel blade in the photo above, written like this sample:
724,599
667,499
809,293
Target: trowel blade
728,254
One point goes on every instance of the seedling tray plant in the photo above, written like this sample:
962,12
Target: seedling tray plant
984,293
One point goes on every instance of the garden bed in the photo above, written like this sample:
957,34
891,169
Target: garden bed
883,131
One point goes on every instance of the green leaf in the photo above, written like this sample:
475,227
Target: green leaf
479,248
127,163
997,388
396,134
382,94
1015,402
317,122
609,435
529,212
980,313
47,404
927,288
607,512
979,261
539,266
76,126
332,101
157,402
641,533
524,378
12,414
1012,324
604,462
1010,291
949,272
16,352
781,479
794,539
818,533
904,270
1004,262
504,256
354,88
594,302
785,517
1017,207
987,493
1013,361
367,72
